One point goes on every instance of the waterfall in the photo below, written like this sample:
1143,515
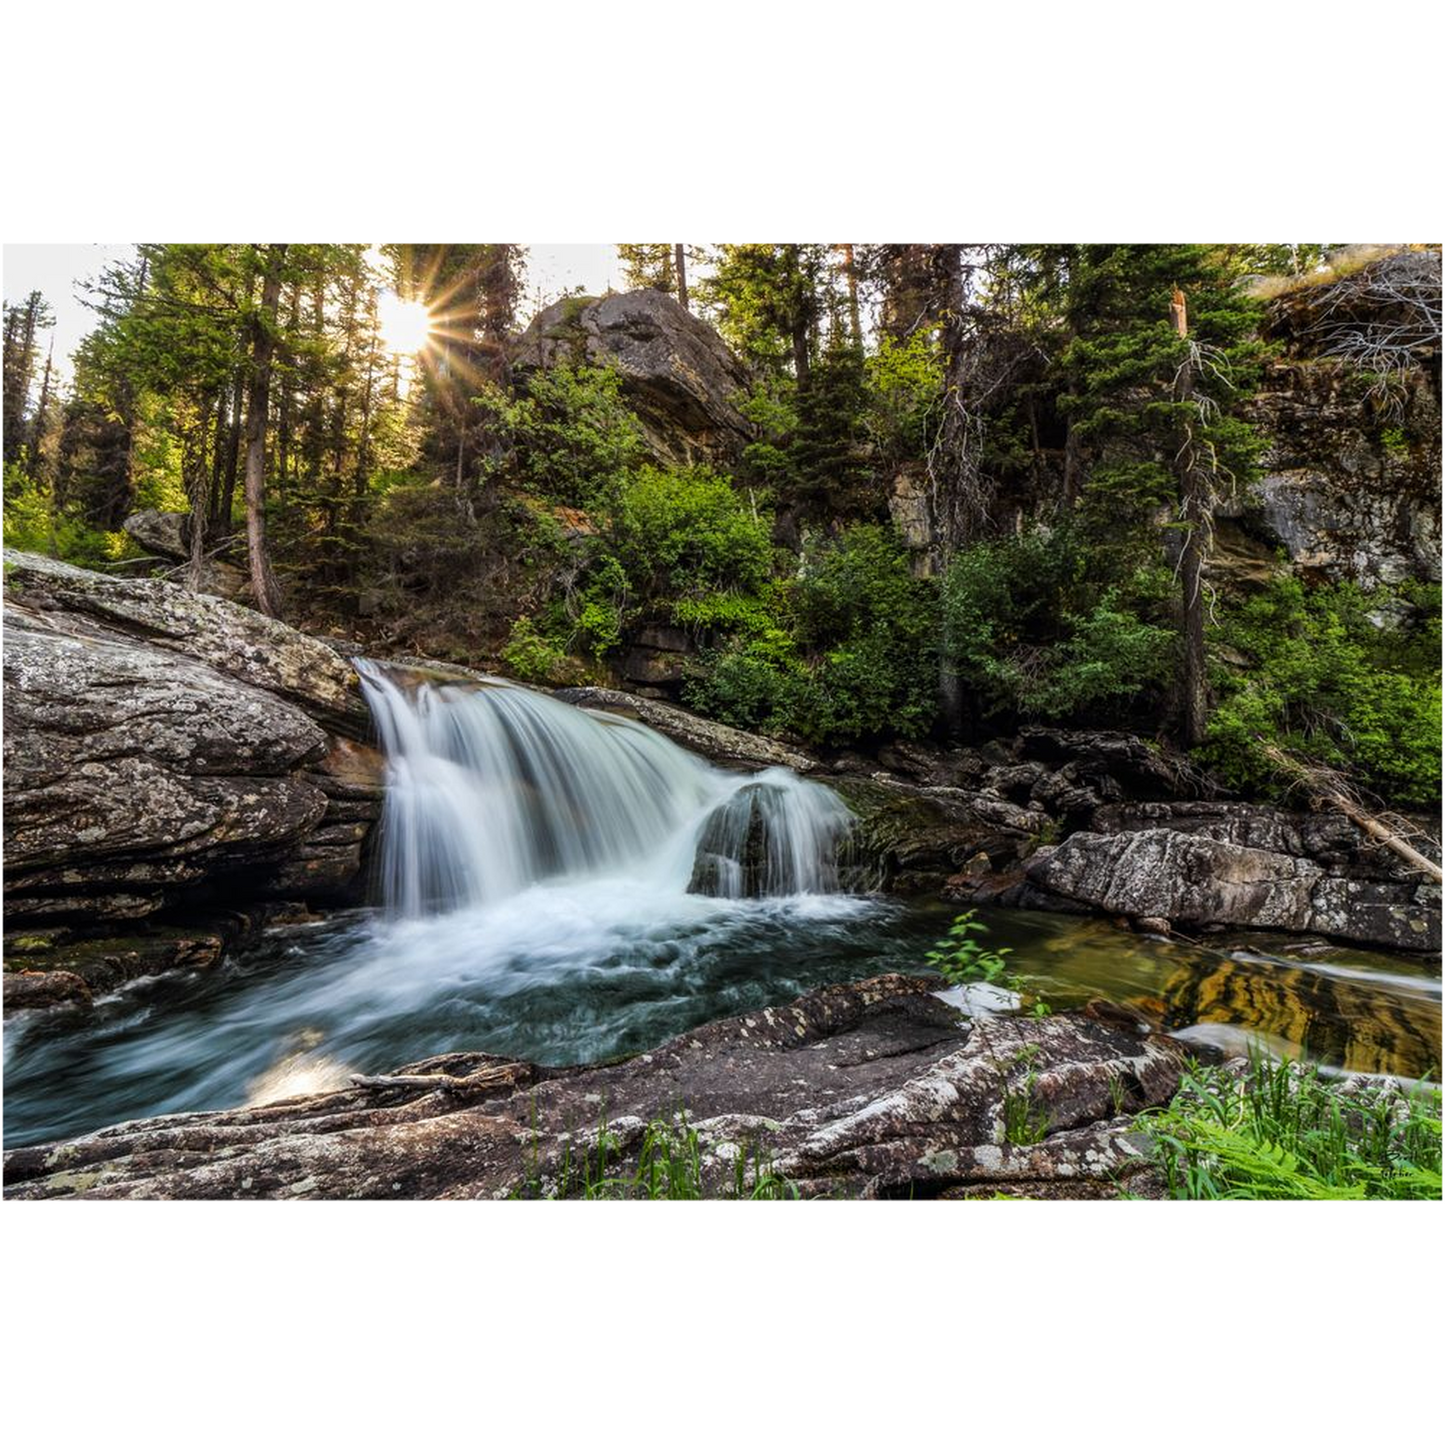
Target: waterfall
492,788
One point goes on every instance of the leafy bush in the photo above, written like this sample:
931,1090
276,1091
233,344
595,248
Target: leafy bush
1337,676
685,539
844,651
905,394
1035,631
33,523
1282,1132
568,434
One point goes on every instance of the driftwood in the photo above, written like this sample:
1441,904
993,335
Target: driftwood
1326,790
495,1077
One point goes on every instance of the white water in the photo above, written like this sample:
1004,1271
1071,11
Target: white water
494,789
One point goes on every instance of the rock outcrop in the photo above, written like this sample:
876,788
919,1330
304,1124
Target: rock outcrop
677,374
1350,489
875,1089
716,741
166,752
1190,878
167,536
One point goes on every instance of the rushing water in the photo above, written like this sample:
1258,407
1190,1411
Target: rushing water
541,868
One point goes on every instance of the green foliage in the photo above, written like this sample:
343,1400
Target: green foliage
1282,1132
962,959
1039,628
682,537
831,464
35,523
1024,1122
1394,441
670,1165
905,395
1337,676
567,435
1120,368
532,656
844,651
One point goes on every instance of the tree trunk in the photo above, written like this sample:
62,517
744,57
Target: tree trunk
850,274
263,348
1194,707
37,432
233,457
681,268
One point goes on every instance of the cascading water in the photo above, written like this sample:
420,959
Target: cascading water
495,788
561,886
564,887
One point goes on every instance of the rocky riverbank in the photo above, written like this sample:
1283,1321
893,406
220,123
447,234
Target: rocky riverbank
874,1089
180,770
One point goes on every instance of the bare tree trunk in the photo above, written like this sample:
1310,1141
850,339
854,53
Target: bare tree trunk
263,348
1194,707
681,267
37,431
850,274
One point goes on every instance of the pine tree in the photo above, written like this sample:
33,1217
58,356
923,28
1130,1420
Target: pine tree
1160,360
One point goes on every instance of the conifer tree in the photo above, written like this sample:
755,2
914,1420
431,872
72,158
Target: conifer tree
1160,360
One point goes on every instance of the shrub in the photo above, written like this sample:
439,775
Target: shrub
1035,630
1337,676
843,651
568,435
684,538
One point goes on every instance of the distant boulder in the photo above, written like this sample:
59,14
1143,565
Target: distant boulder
677,373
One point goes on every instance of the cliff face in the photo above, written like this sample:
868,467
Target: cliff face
1351,410
1351,484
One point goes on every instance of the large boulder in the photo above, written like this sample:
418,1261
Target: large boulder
1191,878
167,753
876,1088
259,651
677,374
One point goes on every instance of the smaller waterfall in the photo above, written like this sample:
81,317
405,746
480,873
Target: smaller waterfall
493,788
775,835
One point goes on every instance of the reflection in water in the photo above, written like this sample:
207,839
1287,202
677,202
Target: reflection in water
580,972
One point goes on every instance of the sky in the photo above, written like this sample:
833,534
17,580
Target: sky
57,271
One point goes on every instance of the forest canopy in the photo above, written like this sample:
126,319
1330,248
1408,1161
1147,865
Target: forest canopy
919,490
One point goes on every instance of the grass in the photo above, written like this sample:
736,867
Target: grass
670,1165
1280,1131
1335,267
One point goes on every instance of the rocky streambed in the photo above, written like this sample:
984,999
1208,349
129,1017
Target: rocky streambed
183,777
873,1089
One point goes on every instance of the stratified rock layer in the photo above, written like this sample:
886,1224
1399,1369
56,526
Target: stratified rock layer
1193,879
165,751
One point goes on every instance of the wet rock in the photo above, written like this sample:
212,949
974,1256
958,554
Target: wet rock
917,838
160,756
677,374
871,1089
1194,879
715,741
30,988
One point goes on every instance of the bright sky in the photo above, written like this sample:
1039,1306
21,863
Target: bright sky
56,272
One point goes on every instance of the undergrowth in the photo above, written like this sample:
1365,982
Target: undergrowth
1280,1131
670,1165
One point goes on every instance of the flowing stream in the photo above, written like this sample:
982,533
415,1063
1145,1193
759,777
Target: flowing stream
569,887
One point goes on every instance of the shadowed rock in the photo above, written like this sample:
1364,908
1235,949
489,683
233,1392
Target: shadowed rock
1192,878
